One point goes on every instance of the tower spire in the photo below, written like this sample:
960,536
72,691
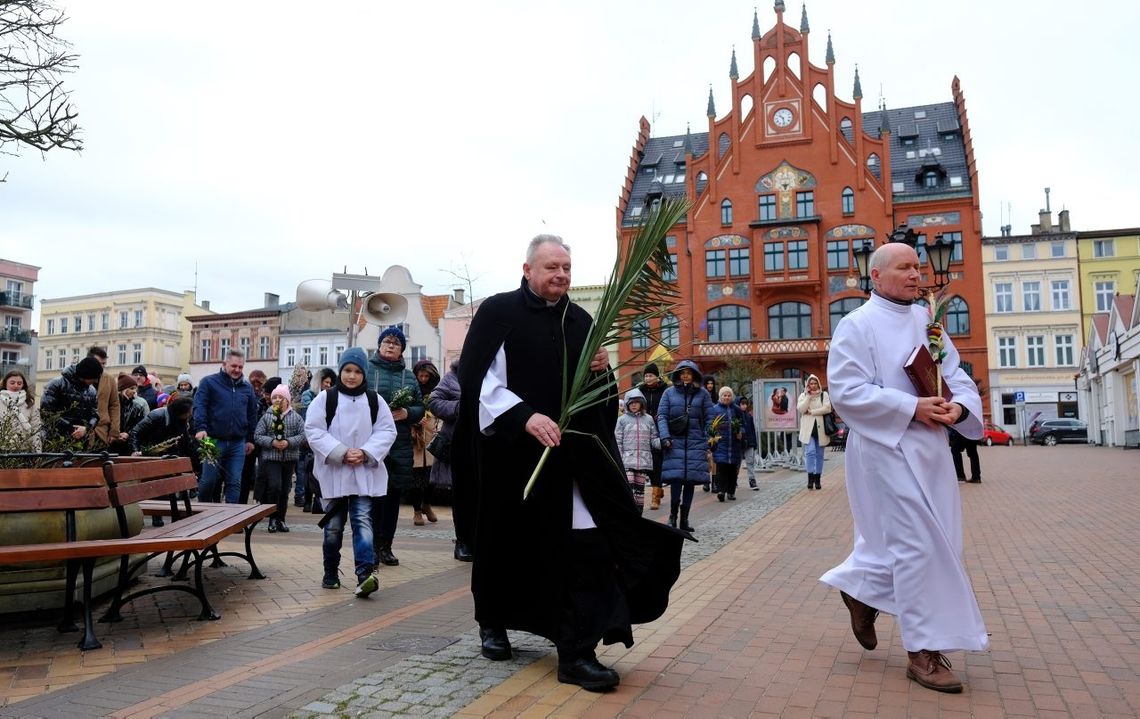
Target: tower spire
733,73
803,20
755,24
858,92
711,112
830,50
688,146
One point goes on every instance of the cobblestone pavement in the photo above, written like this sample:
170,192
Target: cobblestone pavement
1051,547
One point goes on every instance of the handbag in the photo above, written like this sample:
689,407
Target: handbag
829,425
679,425
440,447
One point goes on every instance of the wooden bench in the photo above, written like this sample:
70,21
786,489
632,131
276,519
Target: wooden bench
193,532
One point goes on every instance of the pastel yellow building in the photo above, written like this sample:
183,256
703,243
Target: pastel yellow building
1110,265
1033,317
146,326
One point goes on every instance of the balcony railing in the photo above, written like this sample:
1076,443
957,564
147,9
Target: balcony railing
16,335
764,348
16,299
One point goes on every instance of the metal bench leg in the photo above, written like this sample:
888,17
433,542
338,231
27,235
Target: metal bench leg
207,612
112,614
254,572
67,621
217,558
167,566
88,641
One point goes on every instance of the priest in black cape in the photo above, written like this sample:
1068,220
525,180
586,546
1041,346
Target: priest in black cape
575,563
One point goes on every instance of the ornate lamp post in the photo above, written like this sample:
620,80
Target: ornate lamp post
938,253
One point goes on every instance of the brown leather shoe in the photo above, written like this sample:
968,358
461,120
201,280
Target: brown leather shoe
932,670
862,621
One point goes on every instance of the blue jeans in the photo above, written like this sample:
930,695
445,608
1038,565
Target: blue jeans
813,456
358,510
227,469
302,476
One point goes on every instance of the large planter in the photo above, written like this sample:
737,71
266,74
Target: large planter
39,586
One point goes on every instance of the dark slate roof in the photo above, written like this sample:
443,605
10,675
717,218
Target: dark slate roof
927,133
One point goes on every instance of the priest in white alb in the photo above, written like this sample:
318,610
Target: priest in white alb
901,483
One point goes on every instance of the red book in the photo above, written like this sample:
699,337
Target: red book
920,367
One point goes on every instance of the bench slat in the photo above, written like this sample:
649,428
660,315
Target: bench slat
118,473
36,500
125,494
16,480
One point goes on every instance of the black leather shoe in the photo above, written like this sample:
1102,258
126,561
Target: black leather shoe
385,556
496,645
272,525
281,526
462,553
590,674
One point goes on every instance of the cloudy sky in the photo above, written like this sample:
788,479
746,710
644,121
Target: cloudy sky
264,143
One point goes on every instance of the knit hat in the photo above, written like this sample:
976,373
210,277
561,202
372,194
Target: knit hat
125,381
184,378
356,356
161,399
89,368
139,371
393,332
651,368
282,391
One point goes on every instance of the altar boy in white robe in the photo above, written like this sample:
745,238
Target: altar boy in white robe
901,483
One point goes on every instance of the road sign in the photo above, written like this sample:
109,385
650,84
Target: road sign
1019,398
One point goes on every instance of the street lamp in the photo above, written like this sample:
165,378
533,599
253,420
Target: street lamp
862,263
939,253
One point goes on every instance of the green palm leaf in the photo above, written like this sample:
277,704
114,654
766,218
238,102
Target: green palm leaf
636,293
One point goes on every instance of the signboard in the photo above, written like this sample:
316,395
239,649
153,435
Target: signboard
1019,398
1041,397
1068,396
776,404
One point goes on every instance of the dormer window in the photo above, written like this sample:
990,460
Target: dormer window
930,179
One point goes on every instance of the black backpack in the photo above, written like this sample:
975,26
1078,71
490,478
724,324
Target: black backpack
332,397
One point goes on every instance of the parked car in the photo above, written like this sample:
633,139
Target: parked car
992,435
1051,431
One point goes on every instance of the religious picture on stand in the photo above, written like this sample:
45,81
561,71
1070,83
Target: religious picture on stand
778,404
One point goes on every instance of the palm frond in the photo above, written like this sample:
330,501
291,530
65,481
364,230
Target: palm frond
637,291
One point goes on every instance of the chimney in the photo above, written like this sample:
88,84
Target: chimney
1046,218
458,295
204,304
1063,220
1035,229
272,300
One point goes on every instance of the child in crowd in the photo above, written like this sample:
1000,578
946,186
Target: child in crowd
750,443
636,436
279,434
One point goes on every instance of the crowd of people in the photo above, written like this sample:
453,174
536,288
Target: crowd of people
350,443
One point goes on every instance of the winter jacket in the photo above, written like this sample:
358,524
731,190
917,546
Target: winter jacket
750,441
386,378
150,395
351,428
653,396
729,449
636,435
108,427
225,408
294,435
68,402
130,414
158,427
444,404
811,411
19,423
684,458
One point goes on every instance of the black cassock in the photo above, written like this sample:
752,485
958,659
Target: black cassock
532,572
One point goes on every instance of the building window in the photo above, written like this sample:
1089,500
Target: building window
1061,299
124,319
1035,351
729,323
1029,251
1056,249
767,207
90,321
290,356
419,352
1007,351
805,204
263,348
106,320
640,331
847,199
51,329
714,263
1064,346
136,353
956,239
930,179
670,331
323,356
1104,248
670,273
773,256
77,320
789,320
1031,296
205,351
243,345
223,348
1001,253
726,212
1104,291
63,325
957,316
738,264
797,255
138,318
841,308
838,254
339,352
1003,297
307,356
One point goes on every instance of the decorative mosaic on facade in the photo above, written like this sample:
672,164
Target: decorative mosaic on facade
727,241
947,218
785,180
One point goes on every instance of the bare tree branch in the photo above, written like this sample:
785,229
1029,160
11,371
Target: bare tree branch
35,108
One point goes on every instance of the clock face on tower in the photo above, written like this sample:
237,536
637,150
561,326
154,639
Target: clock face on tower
783,117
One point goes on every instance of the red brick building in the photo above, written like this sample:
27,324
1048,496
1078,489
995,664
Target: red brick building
786,185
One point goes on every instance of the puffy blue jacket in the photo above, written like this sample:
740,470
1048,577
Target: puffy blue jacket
225,408
729,449
684,459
